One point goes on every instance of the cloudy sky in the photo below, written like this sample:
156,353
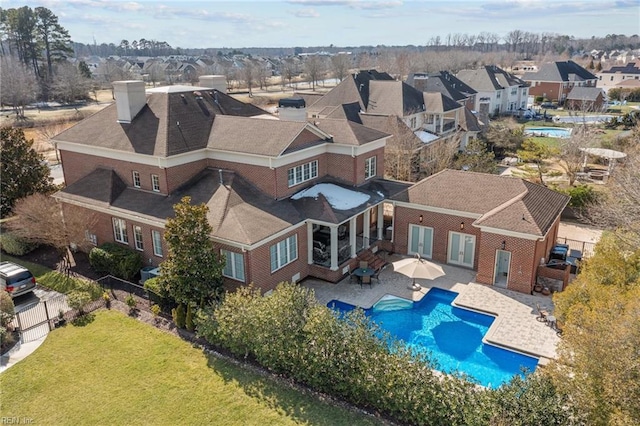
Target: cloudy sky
289,23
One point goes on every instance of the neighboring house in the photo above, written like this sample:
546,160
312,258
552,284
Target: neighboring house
445,83
286,199
498,92
554,80
370,97
586,99
612,77
502,227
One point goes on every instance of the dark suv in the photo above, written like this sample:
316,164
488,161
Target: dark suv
15,279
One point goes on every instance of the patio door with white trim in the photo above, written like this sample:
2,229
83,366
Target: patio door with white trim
462,249
421,240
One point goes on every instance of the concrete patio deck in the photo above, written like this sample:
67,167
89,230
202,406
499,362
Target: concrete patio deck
515,326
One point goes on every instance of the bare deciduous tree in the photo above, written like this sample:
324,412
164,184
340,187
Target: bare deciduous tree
19,85
619,208
69,85
247,74
570,151
40,219
314,68
340,66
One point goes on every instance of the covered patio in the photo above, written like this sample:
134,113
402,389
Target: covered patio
515,326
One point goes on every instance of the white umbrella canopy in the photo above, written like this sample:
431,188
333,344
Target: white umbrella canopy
418,268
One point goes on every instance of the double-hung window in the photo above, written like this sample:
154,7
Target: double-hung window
155,183
234,265
302,173
156,239
136,179
369,167
284,252
137,238
120,230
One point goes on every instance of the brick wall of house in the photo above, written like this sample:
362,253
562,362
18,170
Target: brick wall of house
77,166
550,91
523,261
103,230
304,138
442,224
282,176
262,177
258,263
177,175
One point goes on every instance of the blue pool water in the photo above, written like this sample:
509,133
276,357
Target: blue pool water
452,335
552,132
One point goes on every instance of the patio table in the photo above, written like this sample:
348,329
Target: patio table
362,272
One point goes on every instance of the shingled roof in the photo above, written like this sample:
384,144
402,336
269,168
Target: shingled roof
349,133
560,71
507,203
174,121
489,78
238,211
443,82
584,93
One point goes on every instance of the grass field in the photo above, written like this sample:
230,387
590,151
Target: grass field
117,371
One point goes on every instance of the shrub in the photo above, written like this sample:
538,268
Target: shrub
131,302
178,315
154,285
116,260
78,299
155,310
188,323
7,308
14,245
581,196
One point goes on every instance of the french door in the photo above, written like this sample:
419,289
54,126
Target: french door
462,249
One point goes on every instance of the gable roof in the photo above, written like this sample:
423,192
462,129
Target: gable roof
585,93
489,79
507,203
560,71
469,122
349,133
259,137
402,136
443,82
437,102
175,120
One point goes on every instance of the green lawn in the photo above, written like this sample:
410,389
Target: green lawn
54,280
116,370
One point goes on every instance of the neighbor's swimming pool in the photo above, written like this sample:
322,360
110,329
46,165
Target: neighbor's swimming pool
452,335
552,132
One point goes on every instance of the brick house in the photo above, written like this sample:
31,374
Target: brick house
131,162
586,99
502,227
554,80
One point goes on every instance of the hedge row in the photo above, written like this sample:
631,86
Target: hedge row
351,358
114,259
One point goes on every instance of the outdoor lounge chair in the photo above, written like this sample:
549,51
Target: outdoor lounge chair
542,313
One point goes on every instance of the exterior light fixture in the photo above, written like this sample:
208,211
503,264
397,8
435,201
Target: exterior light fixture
420,218
461,225
504,245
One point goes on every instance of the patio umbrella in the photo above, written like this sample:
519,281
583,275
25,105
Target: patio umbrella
418,268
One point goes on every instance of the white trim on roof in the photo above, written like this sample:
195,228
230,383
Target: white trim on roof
235,157
508,233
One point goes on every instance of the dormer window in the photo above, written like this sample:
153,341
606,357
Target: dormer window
155,183
136,179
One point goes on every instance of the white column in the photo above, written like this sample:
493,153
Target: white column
352,236
334,248
366,228
309,243
380,220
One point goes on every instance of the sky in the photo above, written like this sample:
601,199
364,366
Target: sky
291,23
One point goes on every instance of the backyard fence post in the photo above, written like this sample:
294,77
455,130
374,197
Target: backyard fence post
46,313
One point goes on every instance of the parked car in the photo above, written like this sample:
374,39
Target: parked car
548,105
15,279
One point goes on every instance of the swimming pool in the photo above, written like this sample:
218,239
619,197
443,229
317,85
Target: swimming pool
552,132
452,335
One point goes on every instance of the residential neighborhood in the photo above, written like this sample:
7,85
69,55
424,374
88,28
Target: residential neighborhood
398,233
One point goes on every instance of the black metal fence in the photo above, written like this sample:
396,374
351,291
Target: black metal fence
35,321
119,289
586,247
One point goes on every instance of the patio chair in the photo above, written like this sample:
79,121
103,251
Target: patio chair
542,313
376,275
366,279
353,277
364,264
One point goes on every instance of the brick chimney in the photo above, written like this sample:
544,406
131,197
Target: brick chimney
217,82
130,99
